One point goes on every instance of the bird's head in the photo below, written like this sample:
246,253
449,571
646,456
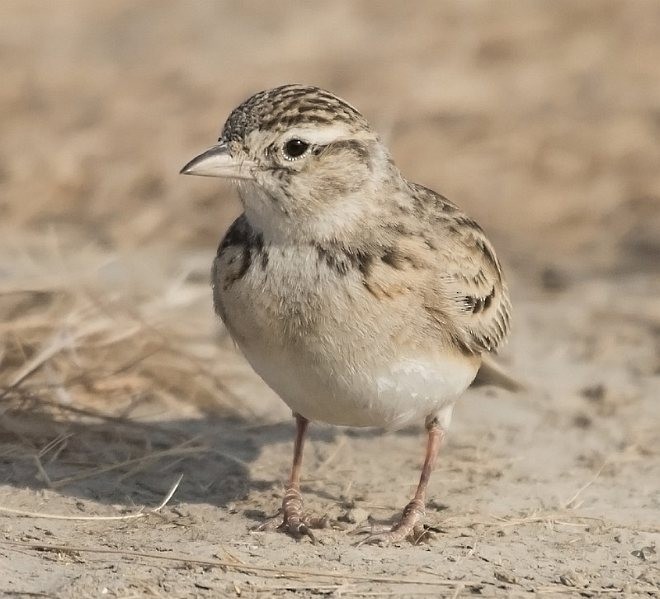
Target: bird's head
305,162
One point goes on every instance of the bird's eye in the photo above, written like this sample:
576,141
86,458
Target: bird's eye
295,148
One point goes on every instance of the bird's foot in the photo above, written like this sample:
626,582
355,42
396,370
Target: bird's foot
410,526
292,520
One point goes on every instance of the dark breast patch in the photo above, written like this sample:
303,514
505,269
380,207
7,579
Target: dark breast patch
247,248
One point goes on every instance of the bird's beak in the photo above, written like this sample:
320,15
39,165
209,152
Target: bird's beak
218,162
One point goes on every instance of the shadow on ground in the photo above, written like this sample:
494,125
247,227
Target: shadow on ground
119,461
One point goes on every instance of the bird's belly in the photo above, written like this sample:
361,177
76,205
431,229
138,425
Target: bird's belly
389,395
332,351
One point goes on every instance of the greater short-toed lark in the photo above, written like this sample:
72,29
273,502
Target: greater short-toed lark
361,298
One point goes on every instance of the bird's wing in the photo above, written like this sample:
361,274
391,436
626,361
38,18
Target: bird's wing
471,297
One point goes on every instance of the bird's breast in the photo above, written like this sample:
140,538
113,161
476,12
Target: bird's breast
332,350
283,297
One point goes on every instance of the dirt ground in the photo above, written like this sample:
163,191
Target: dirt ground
542,120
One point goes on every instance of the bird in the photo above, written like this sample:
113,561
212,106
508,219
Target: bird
361,298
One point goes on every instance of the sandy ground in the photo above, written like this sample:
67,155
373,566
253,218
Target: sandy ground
540,119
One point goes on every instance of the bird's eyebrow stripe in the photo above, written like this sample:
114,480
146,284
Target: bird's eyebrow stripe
350,145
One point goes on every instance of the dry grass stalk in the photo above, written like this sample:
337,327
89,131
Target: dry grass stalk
140,514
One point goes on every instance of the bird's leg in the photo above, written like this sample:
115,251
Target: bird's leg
410,524
294,521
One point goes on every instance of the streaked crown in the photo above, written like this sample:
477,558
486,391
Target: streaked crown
290,106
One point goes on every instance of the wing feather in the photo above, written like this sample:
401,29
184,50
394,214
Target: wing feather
471,296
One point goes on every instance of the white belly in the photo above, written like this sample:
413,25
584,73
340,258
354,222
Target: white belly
389,396
332,351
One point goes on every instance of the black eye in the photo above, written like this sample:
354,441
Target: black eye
295,148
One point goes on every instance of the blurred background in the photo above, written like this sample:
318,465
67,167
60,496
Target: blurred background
540,119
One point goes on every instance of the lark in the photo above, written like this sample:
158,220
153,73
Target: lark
361,298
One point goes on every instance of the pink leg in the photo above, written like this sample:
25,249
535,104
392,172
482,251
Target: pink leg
294,521
410,523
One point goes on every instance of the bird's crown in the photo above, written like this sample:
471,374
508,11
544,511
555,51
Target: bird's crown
290,106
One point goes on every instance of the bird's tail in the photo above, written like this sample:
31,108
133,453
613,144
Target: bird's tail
491,373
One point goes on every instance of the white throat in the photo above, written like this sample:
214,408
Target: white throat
344,218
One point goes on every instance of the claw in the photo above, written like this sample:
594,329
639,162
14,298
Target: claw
409,526
291,520
297,530
270,524
295,526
